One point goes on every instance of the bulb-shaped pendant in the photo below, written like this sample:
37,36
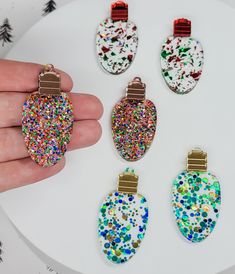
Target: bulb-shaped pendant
134,121
47,120
117,40
123,218
196,198
182,58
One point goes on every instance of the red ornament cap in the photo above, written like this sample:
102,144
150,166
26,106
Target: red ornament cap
119,11
182,27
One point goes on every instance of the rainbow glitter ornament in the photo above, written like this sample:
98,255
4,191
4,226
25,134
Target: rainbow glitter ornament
134,121
196,199
123,218
117,40
182,58
47,120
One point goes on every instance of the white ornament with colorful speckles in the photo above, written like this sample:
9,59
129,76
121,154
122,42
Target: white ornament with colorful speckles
116,44
181,61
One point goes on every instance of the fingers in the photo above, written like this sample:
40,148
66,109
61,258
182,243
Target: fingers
85,133
85,107
23,172
12,146
23,77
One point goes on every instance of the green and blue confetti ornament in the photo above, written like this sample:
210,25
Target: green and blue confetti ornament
123,219
196,198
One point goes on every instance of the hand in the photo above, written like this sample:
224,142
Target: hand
17,79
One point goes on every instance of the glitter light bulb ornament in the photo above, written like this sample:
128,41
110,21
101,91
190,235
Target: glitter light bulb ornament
123,218
181,58
134,121
47,120
196,198
117,40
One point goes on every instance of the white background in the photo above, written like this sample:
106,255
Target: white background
59,216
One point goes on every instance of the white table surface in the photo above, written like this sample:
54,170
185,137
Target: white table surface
59,215
17,257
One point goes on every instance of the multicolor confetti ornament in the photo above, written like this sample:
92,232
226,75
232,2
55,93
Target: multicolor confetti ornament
47,120
181,58
123,218
117,40
196,198
134,121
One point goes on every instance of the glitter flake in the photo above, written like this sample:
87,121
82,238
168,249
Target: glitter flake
133,127
116,45
122,224
196,200
181,61
47,122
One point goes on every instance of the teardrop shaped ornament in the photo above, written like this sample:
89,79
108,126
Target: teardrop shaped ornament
182,58
134,121
117,40
123,219
196,200
47,121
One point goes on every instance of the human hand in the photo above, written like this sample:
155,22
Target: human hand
17,79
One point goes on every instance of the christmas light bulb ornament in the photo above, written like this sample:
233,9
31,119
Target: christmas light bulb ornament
196,198
134,121
123,218
47,120
117,40
181,58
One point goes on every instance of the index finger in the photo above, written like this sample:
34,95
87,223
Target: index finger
23,77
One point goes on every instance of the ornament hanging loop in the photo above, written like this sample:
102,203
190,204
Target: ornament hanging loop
182,27
48,67
49,81
136,90
119,11
197,160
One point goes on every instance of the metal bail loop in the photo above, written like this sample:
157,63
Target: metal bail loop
182,28
136,90
49,81
128,182
119,11
197,160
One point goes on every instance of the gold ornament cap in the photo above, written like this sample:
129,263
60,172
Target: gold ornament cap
136,90
128,182
197,160
49,81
